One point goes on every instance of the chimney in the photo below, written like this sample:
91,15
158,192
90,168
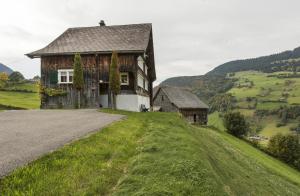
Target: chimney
102,23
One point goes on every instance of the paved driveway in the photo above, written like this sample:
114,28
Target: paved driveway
26,135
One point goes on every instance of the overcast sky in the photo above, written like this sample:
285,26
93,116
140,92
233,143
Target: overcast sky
191,37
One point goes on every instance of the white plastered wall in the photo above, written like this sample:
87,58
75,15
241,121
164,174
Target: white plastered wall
132,102
127,102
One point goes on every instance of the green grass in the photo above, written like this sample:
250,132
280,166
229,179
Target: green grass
269,101
271,129
261,80
19,99
23,86
154,154
216,121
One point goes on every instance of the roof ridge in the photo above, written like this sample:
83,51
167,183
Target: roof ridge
106,26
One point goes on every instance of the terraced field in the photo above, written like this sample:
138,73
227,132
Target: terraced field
263,91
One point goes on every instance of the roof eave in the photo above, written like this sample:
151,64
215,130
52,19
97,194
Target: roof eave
39,55
186,108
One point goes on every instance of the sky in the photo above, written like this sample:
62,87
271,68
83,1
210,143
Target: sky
191,37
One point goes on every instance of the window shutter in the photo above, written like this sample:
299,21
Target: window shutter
53,77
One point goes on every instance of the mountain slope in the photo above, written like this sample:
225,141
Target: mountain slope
204,86
4,68
215,82
155,154
264,63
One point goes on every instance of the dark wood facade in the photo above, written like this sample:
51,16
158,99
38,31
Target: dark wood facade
95,44
96,78
193,115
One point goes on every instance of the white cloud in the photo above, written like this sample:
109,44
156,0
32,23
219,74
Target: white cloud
190,37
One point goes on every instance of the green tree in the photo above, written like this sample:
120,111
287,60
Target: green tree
236,124
286,148
3,79
78,81
114,78
16,77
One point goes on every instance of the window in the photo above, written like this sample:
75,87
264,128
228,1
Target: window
65,76
140,62
146,85
146,70
140,81
71,76
124,79
162,98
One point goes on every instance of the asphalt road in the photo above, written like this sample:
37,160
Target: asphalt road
26,135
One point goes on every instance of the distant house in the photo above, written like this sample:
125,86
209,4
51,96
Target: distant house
174,99
134,45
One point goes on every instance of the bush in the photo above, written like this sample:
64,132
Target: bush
280,124
286,148
236,124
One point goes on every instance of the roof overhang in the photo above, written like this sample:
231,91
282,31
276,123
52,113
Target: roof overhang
39,55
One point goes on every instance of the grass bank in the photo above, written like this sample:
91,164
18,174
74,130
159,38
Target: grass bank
20,99
154,154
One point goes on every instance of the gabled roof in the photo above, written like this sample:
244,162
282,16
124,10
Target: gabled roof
120,38
182,98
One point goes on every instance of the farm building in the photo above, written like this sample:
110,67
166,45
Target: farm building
134,45
174,99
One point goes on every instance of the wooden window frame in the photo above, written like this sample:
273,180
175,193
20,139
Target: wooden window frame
68,71
127,76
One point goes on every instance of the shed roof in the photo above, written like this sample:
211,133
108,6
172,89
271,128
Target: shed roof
120,38
182,98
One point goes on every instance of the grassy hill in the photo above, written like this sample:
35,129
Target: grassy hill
215,82
21,95
256,91
266,92
154,154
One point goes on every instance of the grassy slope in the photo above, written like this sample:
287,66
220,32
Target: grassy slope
21,99
155,154
261,80
277,85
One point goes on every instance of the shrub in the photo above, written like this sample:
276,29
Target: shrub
286,148
236,124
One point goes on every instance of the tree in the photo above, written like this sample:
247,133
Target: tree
114,78
36,78
16,77
3,76
78,81
286,148
236,124
3,79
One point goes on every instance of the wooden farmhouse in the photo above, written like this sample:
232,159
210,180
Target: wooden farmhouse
134,45
174,99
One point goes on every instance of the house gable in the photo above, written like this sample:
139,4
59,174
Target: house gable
161,99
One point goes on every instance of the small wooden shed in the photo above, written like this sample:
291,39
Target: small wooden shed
174,99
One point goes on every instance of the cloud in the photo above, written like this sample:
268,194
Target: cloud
190,38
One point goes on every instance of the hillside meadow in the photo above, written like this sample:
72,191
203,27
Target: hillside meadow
154,154
271,93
